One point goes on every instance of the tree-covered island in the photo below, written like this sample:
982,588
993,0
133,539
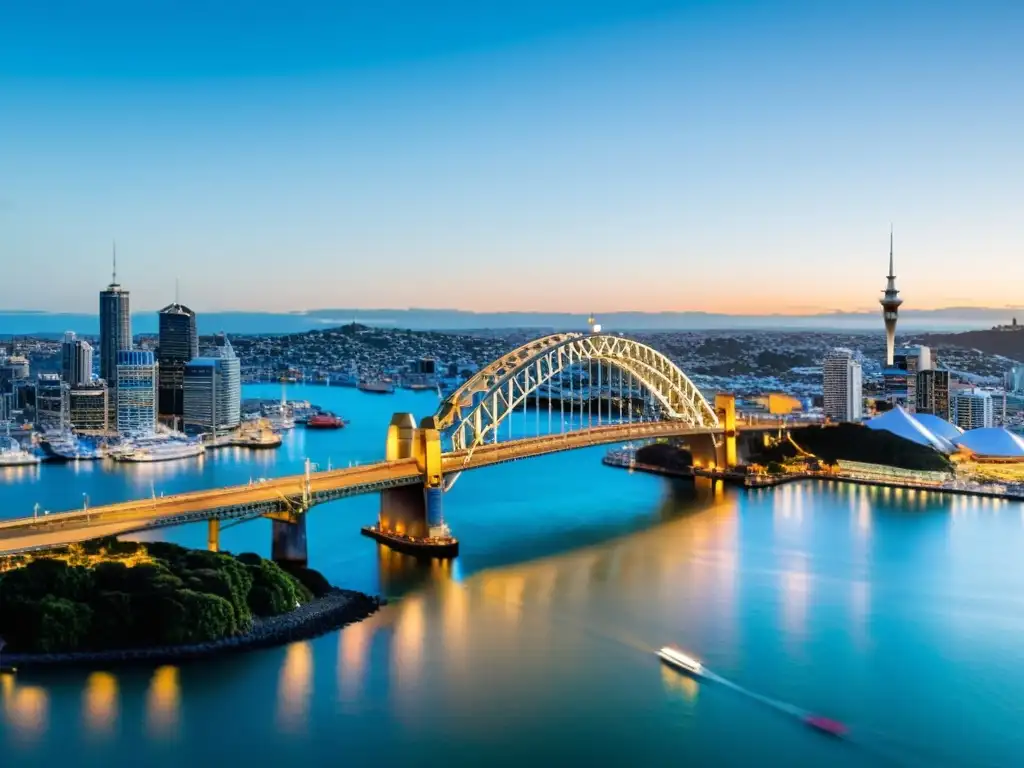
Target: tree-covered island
108,594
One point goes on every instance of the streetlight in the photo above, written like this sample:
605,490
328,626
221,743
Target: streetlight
85,505
35,511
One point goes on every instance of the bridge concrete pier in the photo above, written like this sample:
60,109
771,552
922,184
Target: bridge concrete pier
288,541
725,407
213,534
412,517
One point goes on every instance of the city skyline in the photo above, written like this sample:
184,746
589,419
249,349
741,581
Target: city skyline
655,155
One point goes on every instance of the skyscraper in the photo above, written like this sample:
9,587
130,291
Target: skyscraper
76,361
136,392
115,326
933,392
912,360
52,401
213,389
842,386
890,302
179,343
973,409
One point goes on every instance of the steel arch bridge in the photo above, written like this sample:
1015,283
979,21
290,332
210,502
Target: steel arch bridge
472,414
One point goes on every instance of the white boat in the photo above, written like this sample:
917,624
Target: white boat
167,450
280,420
13,455
676,658
67,446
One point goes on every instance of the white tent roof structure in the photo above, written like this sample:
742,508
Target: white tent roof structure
992,441
904,425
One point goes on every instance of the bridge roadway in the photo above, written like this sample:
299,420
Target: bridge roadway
278,495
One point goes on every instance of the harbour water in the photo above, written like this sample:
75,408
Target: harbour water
899,613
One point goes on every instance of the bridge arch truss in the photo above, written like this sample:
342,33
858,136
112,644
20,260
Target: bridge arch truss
472,415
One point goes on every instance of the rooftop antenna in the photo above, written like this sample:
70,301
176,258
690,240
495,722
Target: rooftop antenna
113,277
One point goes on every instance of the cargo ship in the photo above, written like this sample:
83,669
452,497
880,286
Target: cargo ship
324,421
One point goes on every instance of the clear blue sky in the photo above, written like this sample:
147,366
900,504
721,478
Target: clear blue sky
727,156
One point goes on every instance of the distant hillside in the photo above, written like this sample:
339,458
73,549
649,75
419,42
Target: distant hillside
1006,343
29,322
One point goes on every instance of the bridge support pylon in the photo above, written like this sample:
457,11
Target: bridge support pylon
213,534
288,541
411,518
725,407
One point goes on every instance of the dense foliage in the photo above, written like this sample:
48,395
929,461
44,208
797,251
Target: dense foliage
853,442
112,594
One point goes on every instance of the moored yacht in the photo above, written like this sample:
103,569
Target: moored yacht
157,447
13,455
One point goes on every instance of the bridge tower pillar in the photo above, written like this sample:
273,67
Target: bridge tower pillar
213,534
725,407
416,512
288,541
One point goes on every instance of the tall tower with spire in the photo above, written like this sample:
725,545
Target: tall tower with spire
115,325
890,302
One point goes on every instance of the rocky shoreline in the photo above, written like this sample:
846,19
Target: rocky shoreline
334,610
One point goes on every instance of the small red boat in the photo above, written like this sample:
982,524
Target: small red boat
324,421
825,725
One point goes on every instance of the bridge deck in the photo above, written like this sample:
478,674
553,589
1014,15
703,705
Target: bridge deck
272,495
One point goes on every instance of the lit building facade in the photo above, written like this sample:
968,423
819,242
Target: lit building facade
115,328
89,408
136,392
912,360
179,343
75,360
842,386
973,409
213,390
932,393
52,401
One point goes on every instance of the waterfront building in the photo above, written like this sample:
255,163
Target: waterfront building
890,302
842,386
135,392
115,326
212,390
89,408
932,392
52,401
973,409
76,360
178,343
8,405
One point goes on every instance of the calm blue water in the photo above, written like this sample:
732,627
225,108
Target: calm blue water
901,614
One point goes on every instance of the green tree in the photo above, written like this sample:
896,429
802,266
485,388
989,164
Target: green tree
63,625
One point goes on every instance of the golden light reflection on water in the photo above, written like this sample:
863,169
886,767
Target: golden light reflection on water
295,687
100,703
162,702
796,585
407,644
677,683
353,652
860,599
26,708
